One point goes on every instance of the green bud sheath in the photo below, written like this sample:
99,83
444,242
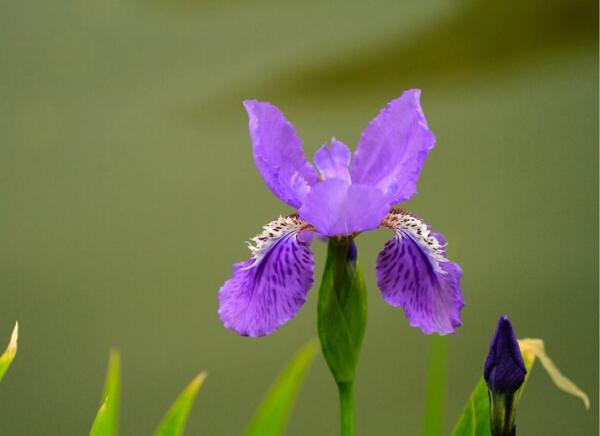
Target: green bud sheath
502,413
342,319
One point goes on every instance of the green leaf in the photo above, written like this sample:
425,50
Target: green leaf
475,418
342,310
174,421
107,419
100,422
272,415
11,351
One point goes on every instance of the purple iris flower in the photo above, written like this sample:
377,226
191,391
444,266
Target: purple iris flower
341,195
504,369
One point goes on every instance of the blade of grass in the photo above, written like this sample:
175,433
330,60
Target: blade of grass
107,419
174,421
99,425
436,387
11,351
272,415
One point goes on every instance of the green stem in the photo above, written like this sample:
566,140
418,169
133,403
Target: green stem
436,387
341,322
347,425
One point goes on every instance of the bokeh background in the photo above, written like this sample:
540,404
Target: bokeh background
127,190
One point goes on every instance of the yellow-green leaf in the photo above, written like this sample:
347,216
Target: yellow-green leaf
534,348
174,421
100,422
11,351
107,419
273,413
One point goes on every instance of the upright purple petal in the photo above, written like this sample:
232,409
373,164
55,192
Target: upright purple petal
333,162
278,153
269,289
413,273
335,207
393,148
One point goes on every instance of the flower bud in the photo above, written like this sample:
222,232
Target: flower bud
504,369
504,373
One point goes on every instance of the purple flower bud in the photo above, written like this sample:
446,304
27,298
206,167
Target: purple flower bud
504,369
504,372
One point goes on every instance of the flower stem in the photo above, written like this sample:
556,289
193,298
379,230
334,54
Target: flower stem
347,425
341,322
436,387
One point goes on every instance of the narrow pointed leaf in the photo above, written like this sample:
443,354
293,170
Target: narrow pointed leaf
273,414
174,421
107,419
99,425
11,351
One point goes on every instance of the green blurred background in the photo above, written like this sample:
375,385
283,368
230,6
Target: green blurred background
128,189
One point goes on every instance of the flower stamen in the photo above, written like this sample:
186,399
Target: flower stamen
273,232
407,224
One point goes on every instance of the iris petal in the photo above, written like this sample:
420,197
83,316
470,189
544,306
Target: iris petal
335,207
393,148
269,289
333,162
413,273
278,153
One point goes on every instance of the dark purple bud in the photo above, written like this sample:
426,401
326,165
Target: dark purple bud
504,372
504,369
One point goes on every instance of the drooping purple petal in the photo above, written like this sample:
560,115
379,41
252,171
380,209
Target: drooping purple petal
413,273
278,153
335,207
393,148
269,289
504,369
333,162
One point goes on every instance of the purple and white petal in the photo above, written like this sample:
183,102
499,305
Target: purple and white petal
269,289
414,273
278,153
335,207
333,162
393,148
